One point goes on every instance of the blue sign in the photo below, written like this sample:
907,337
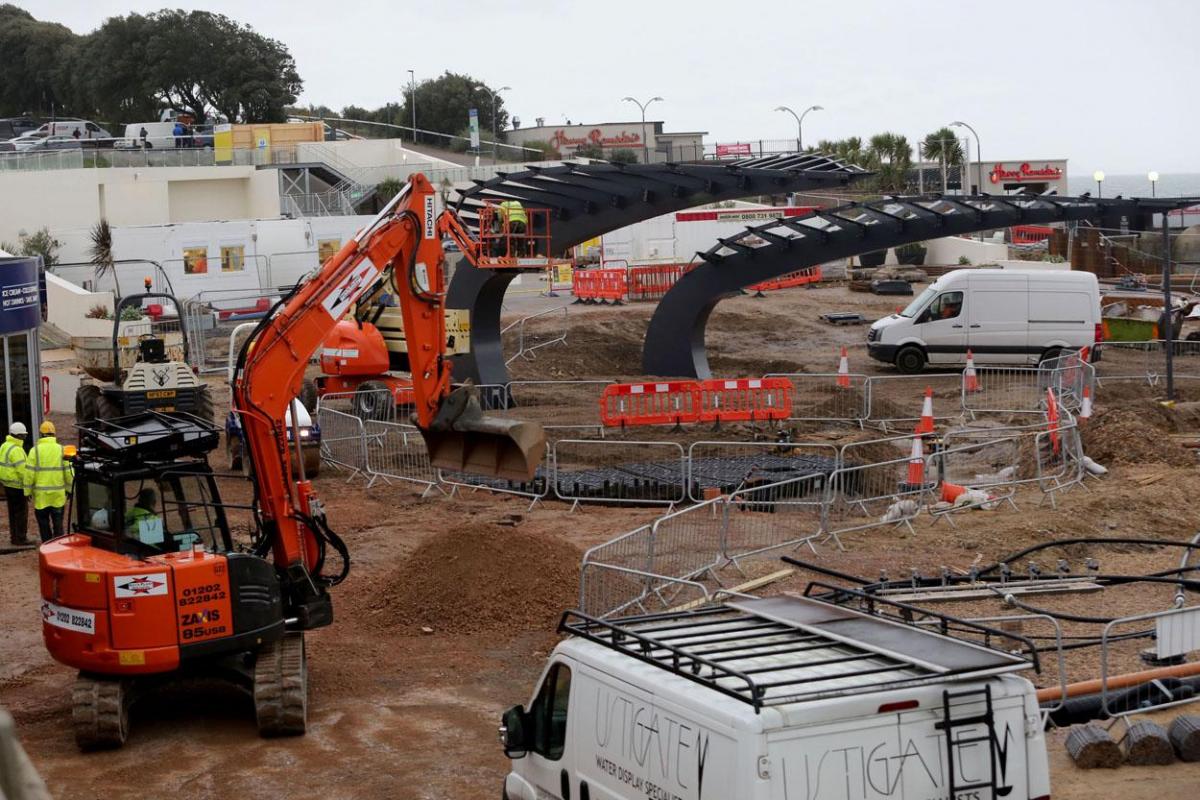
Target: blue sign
20,294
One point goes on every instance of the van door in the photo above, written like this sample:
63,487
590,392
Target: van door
999,319
942,326
549,767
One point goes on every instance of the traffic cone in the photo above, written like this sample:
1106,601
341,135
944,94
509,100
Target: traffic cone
1085,354
926,424
916,464
1085,408
951,491
970,379
843,374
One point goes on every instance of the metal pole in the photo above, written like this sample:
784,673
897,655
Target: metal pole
1169,333
495,147
645,144
412,101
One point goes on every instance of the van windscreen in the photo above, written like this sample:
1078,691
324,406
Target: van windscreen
919,302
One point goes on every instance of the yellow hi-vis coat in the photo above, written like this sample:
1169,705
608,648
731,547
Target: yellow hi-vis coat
12,463
48,476
511,211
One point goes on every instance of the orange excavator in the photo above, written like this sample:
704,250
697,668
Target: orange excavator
147,584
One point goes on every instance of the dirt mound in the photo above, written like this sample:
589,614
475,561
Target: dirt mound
1133,434
490,579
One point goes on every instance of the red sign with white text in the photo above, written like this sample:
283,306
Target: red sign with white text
1025,172
740,149
560,139
743,214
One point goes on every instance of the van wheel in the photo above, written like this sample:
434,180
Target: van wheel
1050,355
910,360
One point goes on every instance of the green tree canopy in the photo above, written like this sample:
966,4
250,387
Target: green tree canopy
443,104
132,67
943,145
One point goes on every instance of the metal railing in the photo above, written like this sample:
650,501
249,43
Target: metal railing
528,342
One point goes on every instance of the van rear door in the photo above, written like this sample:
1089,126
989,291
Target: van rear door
905,753
999,319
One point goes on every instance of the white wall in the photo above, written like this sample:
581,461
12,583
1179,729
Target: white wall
67,306
62,200
948,250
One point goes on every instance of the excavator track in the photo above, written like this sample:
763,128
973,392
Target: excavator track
100,712
281,687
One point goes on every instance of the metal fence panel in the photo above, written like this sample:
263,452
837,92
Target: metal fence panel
397,452
820,397
554,403
1011,390
869,495
727,467
609,471
343,445
897,399
786,514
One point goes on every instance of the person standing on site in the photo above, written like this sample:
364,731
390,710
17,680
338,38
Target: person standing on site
48,480
515,225
12,476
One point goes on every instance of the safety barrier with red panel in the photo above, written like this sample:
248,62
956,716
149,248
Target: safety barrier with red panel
660,403
791,279
1031,234
598,285
745,399
652,281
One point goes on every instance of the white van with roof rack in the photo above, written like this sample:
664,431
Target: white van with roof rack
780,698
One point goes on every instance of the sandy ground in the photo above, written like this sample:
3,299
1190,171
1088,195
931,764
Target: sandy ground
398,712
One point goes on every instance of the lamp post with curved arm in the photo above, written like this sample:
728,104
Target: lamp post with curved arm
978,154
800,122
642,106
494,95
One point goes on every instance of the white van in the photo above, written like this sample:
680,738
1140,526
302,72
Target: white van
781,698
1002,316
69,127
158,135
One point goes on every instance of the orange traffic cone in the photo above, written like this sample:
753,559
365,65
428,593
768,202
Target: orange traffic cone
916,464
1085,408
1085,354
970,379
951,491
843,374
1052,419
926,424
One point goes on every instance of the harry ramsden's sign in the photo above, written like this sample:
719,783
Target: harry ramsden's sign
594,136
1024,173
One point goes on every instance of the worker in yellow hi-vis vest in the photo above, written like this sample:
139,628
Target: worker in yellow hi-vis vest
515,225
12,476
48,480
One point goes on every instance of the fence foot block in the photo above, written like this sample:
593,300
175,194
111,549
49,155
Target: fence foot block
1091,747
1147,744
1185,737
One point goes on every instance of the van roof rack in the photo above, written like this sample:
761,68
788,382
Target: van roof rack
791,649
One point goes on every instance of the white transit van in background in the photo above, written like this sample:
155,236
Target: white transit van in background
1002,316
780,698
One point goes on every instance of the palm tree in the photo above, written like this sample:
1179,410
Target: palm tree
943,146
101,252
890,156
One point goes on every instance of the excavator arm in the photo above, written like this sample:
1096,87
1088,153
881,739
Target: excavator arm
400,253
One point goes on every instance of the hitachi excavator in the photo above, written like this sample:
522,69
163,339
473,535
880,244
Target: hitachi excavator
147,585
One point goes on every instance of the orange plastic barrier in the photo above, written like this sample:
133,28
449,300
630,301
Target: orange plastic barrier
745,399
661,403
598,285
1030,234
799,278
651,282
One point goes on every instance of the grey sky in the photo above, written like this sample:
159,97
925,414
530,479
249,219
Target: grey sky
1109,84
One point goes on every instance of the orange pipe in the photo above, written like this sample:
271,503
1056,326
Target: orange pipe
1119,681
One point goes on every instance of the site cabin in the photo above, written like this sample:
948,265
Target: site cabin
782,698
1014,317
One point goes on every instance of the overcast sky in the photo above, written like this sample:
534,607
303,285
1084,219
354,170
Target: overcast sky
1109,84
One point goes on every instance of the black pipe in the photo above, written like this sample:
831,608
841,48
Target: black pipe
1088,707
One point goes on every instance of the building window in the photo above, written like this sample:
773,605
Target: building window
195,260
233,258
327,248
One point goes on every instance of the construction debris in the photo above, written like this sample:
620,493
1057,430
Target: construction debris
1091,747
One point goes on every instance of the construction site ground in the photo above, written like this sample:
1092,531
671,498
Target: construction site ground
450,610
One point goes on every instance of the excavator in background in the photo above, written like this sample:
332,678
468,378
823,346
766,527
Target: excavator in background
148,586
363,355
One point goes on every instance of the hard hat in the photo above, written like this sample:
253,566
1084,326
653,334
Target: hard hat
47,428
18,429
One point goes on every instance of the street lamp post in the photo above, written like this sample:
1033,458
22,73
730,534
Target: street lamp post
1098,177
800,123
412,101
978,154
1153,176
642,106
494,95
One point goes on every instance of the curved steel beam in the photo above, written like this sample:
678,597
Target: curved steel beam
674,343
586,200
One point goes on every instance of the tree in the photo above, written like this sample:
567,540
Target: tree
35,64
38,243
943,146
623,156
444,102
889,155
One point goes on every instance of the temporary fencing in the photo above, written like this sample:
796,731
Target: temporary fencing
605,471
1146,361
343,444
998,390
212,315
659,403
745,400
599,285
792,279
397,452
1068,376
554,404
819,397
723,468
864,496
652,281
895,400
530,341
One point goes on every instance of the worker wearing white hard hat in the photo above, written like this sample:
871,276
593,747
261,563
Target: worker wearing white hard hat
12,476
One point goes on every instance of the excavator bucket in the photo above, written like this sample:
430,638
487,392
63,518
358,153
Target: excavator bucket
465,439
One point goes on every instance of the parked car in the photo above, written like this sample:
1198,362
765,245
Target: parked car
55,143
12,127
1003,316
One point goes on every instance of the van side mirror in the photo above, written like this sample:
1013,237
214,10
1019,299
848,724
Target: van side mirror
513,732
